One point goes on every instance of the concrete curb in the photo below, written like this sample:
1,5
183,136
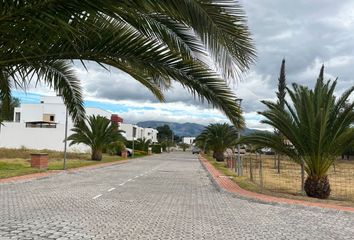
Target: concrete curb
226,185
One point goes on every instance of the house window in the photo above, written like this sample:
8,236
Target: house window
48,117
17,117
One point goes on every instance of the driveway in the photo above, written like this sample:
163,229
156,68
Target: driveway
166,196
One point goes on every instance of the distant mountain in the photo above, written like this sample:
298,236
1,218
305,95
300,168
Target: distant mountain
185,129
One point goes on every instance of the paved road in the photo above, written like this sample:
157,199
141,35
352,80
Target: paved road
159,197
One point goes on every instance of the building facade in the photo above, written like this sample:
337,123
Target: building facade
138,132
188,140
42,126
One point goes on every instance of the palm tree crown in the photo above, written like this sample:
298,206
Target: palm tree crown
217,137
97,132
155,41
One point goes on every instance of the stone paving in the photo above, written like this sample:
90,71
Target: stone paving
168,196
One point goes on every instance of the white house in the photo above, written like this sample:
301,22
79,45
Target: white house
42,126
138,132
188,140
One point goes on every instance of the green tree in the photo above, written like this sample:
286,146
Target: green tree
217,137
142,144
184,146
154,41
316,125
281,99
164,133
96,132
7,108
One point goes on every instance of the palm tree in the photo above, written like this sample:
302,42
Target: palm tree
142,144
317,126
97,132
217,137
155,41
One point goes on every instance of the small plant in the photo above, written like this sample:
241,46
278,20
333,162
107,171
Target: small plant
116,148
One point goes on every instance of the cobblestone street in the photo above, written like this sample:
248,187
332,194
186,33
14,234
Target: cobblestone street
168,196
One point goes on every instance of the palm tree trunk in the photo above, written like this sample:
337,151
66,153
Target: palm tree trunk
96,155
219,156
317,187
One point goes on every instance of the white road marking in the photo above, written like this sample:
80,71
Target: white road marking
121,184
99,195
111,189
136,176
129,180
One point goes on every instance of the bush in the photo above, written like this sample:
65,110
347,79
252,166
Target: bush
115,148
156,148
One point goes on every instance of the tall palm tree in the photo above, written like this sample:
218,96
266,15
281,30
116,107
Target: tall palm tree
217,137
97,132
318,127
155,41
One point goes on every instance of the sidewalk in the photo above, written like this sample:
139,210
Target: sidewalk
228,185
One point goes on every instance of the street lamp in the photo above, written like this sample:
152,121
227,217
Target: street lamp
238,166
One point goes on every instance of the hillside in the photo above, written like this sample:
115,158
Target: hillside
184,129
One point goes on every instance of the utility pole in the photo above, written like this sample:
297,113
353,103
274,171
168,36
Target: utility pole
134,133
66,136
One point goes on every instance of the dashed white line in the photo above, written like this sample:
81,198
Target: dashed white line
111,189
129,180
136,176
99,195
121,184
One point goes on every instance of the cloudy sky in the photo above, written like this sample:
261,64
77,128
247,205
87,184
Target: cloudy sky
307,33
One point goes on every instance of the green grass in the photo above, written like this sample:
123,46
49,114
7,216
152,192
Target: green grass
15,162
243,182
75,163
15,167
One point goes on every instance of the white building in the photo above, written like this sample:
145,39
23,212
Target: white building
188,140
42,126
139,132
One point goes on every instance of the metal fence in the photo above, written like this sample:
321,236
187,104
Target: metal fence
263,170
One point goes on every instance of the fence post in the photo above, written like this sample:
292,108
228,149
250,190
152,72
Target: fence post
260,170
278,163
251,171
